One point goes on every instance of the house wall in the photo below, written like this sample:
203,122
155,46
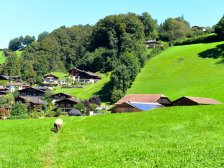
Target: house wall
164,101
124,108
31,92
184,102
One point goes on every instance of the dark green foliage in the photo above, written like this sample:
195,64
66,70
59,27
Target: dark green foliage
173,29
219,28
58,112
150,26
13,64
199,39
116,95
42,35
18,109
15,44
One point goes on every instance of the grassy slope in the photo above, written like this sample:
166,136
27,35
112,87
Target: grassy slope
179,71
2,57
60,75
88,91
171,137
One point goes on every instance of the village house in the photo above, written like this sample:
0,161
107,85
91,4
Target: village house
66,104
50,79
192,101
31,92
13,86
151,44
4,91
140,102
33,103
83,76
60,96
199,28
10,78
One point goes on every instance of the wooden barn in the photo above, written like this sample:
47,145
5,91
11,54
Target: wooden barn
192,101
140,102
134,107
83,76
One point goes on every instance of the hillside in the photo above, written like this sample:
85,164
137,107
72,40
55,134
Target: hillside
89,90
170,137
193,70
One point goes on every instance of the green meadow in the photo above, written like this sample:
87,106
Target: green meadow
88,91
169,137
191,70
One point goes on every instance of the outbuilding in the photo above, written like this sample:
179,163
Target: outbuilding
192,101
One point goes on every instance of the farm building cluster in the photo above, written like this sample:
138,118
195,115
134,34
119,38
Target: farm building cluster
143,102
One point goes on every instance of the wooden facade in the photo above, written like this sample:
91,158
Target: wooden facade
83,76
31,92
66,104
124,107
61,96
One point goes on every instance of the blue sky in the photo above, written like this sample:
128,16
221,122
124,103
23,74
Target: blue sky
22,17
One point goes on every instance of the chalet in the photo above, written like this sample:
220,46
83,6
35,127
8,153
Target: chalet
83,76
151,43
66,104
199,28
191,101
33,103
50,79
134,107
31,92
4,91
10,78
42,88
60,96
12,86
140,102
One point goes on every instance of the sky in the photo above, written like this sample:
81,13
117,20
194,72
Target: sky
31,17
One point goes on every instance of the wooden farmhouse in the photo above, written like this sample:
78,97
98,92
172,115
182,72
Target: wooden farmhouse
140,102
12,86
191,101
60,96
10,78
50,79
33,103
83,76
66,104
31,92
151,44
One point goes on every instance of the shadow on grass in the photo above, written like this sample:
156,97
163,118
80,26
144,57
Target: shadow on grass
214,53
104,93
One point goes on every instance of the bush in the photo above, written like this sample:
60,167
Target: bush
58,112
36,115
50,113
18,109
199,39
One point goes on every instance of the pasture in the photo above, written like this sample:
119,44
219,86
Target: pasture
191,70
169,137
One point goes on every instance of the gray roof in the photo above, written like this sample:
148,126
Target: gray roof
34,100
74,112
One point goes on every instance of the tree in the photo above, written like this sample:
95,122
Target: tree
18,109
42,35
173,29
81,107
15,44
27,40
219,28
150,26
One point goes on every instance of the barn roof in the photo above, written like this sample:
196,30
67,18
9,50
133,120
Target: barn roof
145,106
51,75
202,100
146,98
68,99
62,94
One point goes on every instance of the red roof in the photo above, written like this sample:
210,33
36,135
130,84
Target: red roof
147,98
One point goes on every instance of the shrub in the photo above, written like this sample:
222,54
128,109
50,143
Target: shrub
36,114
58,112
18,109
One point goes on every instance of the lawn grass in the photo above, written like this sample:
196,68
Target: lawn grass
169,137
60,75
86,92
2,57
183,71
